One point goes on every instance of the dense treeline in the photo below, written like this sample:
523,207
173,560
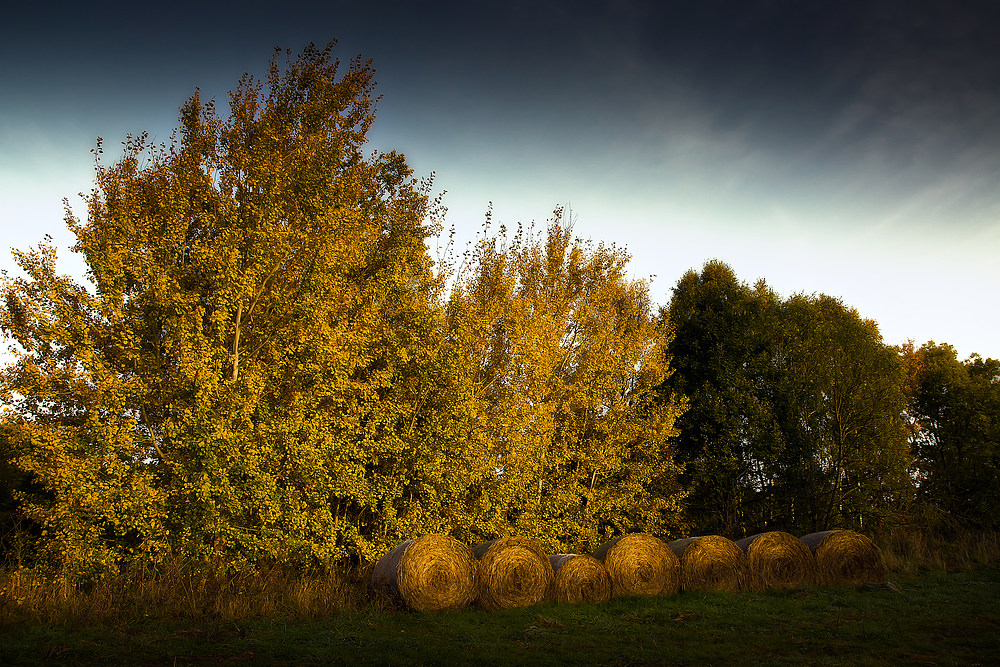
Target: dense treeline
797,417
802,418
954,422
269,368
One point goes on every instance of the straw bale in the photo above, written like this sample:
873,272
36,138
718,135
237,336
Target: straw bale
515,572
580,578
640,564
845,557
428,573
778,560
711,563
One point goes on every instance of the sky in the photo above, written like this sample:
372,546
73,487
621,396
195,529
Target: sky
845,148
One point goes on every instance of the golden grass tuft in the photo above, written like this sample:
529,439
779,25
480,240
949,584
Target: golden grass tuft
845,557
778,560
173,590
515,572
428,573
640,564
909,551
711,563
580,578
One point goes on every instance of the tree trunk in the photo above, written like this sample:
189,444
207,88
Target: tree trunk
236,343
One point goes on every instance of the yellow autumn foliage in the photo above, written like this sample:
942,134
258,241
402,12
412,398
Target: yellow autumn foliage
268,368
566,354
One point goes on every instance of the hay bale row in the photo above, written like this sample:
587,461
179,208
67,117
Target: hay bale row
438,572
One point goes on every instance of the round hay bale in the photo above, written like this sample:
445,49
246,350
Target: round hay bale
580,578
514,572
778,560
845,557
640,564
428,573
711,563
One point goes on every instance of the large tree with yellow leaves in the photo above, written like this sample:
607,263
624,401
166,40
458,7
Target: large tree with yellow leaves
565,353
246,378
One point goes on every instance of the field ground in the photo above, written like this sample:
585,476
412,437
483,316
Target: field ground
936,618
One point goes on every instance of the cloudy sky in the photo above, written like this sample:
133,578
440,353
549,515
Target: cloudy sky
849,148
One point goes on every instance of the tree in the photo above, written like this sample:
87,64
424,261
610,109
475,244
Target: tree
843,396
564,354
955,415
795,418
245,381
721,354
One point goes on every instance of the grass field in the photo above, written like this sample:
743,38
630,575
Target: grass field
945,609
936,618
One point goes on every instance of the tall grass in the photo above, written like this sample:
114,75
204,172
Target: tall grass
175,591
909,552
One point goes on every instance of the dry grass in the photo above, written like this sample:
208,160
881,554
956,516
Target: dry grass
174,591
908,552
191,592
935,619
428,573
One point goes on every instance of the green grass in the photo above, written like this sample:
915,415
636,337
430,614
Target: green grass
936,618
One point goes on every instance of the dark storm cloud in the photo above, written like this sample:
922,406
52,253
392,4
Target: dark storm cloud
906,92
875,98
811,61
790,61
897,85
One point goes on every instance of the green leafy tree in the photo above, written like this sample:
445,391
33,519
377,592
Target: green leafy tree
722,355
796,409
843,396
955,415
